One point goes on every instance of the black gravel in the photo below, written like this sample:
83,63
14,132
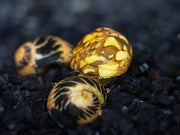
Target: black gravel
145,100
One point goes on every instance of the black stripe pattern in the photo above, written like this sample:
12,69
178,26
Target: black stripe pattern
49,50
69,99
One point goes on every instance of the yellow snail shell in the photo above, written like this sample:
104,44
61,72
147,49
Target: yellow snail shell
103,53
34,56
75,101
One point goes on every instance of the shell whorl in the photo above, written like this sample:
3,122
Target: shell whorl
78,98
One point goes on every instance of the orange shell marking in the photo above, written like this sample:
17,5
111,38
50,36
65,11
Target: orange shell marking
25,60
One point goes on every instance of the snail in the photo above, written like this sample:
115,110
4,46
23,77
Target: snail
33,57
75,101
103,53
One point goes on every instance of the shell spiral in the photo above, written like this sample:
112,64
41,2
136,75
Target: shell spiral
103,53
75,101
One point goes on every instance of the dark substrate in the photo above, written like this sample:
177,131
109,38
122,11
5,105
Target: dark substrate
145,100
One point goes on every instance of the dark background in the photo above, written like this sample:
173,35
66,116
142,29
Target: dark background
146,100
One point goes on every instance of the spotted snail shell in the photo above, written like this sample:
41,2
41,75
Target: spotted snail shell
34,56
103,53
75,101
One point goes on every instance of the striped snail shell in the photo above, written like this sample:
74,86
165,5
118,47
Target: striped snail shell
103,53
75,101
33,57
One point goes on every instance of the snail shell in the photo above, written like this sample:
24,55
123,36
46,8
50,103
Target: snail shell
34,56
103,53
75,101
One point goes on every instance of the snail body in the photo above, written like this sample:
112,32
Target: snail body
34,56
103,53
75,101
